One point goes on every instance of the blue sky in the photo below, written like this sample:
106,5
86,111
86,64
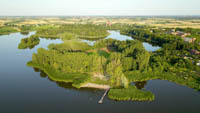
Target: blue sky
98,7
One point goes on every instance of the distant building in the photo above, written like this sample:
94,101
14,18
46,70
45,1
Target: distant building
108,24
198,63
190,40
194,52
185,57
173,30
181,34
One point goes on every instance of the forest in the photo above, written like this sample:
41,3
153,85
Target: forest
29,42
79,63
174,62
87,31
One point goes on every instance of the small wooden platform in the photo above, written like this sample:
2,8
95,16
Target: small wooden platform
101,100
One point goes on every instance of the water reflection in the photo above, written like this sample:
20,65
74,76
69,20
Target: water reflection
140,85
24,33
116,35
64,84
42,74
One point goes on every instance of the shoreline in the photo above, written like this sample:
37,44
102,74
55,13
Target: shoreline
97,86
84,85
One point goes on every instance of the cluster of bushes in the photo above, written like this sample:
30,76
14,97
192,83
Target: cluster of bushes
30,42
131,93
70,46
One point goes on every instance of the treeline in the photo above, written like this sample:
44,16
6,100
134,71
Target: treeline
29,42
161,37
25,29
85,31
7,30
70,46
151,36
131,53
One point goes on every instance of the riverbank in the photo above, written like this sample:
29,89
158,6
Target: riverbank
81,84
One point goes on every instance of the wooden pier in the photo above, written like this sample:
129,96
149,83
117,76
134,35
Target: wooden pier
101,100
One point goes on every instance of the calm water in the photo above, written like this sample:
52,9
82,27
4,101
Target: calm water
116,35
25,90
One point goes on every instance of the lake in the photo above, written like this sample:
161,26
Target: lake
27,90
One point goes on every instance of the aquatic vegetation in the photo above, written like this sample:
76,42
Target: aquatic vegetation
131,93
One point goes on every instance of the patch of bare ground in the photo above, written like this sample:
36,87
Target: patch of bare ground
97,86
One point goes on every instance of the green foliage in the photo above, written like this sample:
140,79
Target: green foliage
70,46
132,93
88,31
70,62
103,53
174,62
67,36
77,79
74,67
27,28
7,30
155,37
30,42
51,32
121,62
187,79
73,31
114,68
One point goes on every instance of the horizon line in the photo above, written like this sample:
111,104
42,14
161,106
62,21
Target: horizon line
99,15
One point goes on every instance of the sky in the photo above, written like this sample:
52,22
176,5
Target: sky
98,7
